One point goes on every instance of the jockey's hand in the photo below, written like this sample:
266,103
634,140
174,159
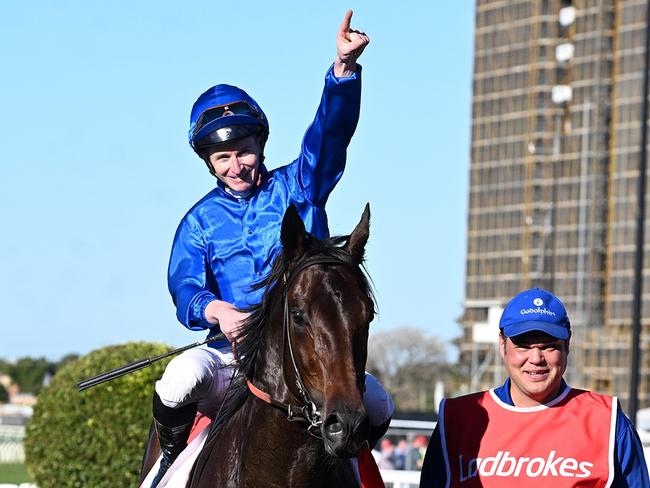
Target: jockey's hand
227,316
350,43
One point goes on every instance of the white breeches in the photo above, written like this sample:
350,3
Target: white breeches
201,375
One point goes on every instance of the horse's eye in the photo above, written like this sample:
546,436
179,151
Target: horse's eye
298,317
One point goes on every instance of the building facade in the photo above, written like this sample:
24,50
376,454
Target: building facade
556,120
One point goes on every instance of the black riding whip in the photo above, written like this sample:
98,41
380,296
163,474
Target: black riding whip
140,364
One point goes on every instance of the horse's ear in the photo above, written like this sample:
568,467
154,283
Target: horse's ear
292,234
356,245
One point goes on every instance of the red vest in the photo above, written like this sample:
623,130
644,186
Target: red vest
566,443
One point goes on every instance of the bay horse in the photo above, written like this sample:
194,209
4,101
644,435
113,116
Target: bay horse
294,412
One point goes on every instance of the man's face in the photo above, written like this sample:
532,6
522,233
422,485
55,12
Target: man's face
237,163
535,362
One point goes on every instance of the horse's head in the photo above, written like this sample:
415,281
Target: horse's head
328,307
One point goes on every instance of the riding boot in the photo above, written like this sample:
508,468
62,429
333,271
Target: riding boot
173,426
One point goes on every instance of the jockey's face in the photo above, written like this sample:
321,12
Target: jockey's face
535,362
237,163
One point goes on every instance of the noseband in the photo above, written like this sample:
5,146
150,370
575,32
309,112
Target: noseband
308,412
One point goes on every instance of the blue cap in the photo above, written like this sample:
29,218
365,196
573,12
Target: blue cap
535,309
219,96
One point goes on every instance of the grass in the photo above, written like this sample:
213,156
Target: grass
14,473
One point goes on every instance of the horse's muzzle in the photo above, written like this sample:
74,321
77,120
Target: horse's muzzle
345,433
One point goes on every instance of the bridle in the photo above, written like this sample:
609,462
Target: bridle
308,412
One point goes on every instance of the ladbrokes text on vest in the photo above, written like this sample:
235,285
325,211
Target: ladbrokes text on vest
505,465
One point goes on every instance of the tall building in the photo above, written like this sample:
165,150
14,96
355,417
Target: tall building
556,120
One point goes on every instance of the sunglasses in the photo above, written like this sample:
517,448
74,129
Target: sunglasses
235,108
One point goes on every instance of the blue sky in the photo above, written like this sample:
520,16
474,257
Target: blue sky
97,172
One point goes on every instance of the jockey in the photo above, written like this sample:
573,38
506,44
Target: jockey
228,239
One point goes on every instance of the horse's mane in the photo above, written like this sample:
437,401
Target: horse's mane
252,329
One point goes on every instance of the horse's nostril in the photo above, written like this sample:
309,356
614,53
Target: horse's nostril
345,432
333,426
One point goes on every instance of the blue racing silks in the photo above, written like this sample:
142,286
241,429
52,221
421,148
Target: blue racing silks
225,243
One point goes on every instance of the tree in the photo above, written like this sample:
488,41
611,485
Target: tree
28,373
408,362
96,437
68,358
5,366
4,394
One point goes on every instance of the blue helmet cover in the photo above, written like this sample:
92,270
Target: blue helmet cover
217,96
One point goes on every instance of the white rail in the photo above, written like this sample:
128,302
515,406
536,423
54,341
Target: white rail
11,444
399,479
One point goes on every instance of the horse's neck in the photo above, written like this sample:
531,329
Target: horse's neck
258,446
283,440
298,458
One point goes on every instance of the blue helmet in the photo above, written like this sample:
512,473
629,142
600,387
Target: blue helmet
225,113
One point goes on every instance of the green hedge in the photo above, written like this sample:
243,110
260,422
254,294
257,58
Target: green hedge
94,438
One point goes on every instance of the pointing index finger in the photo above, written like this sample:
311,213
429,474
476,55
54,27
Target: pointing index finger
345,25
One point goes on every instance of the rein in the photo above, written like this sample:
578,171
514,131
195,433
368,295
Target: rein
308,412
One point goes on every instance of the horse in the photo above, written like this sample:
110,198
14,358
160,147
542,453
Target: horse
293,414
